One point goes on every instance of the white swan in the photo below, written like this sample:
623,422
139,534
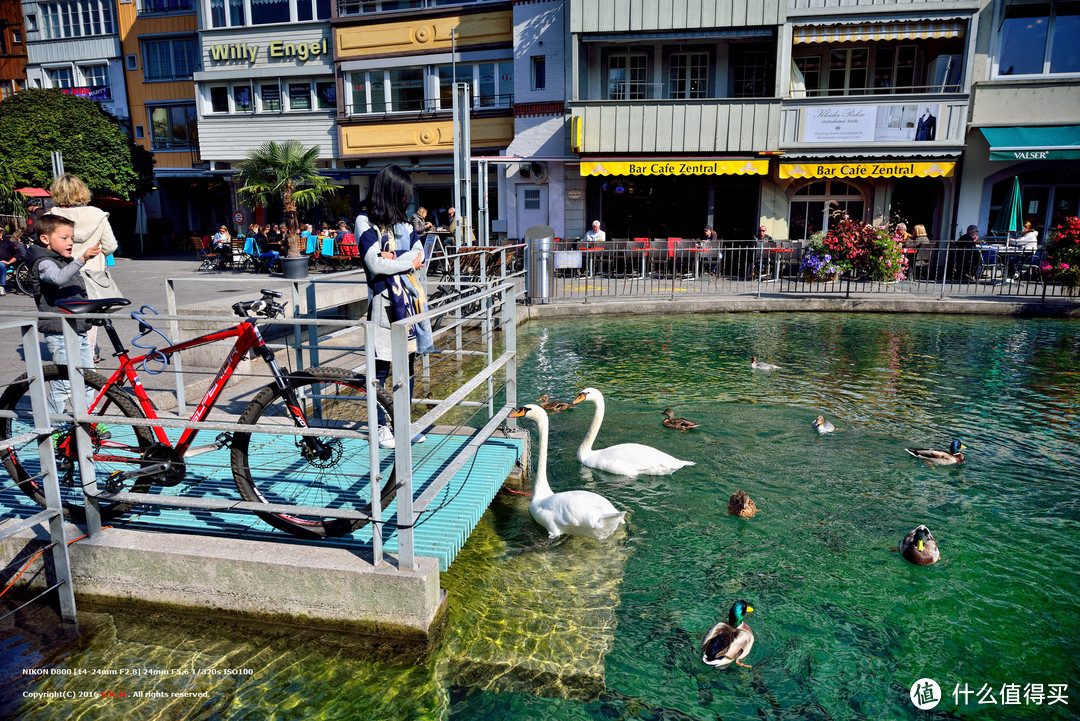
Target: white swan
575,513
626,459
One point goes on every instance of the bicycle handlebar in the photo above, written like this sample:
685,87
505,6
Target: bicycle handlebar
264,307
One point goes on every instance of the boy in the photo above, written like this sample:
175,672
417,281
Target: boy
55,276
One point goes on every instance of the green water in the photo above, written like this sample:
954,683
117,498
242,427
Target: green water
612,630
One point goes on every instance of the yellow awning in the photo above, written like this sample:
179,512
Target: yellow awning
876,169
673,166
872,32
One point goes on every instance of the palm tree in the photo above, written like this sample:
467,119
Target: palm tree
284,171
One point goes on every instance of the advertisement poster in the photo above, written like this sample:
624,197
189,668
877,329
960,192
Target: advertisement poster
839,124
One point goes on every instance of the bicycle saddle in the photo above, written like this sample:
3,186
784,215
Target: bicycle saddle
78,306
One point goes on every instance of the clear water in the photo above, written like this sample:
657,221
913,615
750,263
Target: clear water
612,630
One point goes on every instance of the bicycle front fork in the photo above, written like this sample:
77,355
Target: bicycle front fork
312,445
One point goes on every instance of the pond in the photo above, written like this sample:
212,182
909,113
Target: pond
612,629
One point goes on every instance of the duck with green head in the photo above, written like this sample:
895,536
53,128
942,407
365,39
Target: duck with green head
940,458
731,640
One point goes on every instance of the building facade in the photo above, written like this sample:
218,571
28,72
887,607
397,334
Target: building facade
12,48
74,45
1025,114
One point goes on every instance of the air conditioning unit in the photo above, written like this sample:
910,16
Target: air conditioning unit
537,172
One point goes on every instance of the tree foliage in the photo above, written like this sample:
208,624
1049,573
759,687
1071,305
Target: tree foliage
96,148
287,172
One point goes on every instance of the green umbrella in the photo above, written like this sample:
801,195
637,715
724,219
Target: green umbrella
1008,219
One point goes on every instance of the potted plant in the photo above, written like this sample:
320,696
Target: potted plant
287,172
817,264
862,248
1062,261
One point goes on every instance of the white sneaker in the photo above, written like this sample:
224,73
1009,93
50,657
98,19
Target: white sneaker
419,438
386,437
2,290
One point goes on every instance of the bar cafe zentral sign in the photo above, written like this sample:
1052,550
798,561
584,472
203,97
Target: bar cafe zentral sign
891,169
673,166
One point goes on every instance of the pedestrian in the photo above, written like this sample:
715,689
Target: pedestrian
92,227
10,253
391,250
56,276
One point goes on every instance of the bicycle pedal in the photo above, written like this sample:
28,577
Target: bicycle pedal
115,482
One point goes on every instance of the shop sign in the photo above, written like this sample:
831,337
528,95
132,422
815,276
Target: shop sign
573,194
890,169
838,124
567,259
276,49
1034,154
673,166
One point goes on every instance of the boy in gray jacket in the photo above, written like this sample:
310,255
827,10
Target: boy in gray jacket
55,276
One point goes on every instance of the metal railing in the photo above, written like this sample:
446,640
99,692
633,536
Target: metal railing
479,325
650,267
53,514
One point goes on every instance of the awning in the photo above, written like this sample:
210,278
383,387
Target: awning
33,192
1037,142
685,34
875,169
871,32
673,166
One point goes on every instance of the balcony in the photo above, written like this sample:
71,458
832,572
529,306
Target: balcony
713,125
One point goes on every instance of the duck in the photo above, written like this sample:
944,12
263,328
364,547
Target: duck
624,459
729,640
940,458
682,424
553,406
919,547
574,513
822,425
757,365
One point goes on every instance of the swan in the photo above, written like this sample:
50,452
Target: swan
575,513
625,459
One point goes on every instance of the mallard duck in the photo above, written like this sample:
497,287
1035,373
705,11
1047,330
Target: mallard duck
757,365
741,504
729,640
575,513
940,458
822,425
553,406
682,424
625,459
919,547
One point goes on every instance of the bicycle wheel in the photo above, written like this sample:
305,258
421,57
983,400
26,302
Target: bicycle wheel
280,469
116,447
22,278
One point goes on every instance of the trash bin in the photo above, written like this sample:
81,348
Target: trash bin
539,263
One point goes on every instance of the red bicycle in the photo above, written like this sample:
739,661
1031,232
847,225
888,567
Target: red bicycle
320,472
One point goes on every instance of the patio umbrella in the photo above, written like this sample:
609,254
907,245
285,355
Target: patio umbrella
33,192
1008,219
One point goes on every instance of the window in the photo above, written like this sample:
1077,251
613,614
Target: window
165,6
809,204
230,13
131,62
357,7
810,69
170,59
242,100
6,89
16,37
173,127
689,75
31,23
539,72
77,18
97,76
627,77
326,95
406,89
270,95
531,198
1039,38
219,99
752,72
60,78
847,71
299,96
140,132
896,69
410,89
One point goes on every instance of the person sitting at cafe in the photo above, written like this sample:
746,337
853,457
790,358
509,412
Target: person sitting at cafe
1029,237
763,234
266,257
967,260
595,235
419,221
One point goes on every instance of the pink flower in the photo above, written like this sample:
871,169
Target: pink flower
1064,266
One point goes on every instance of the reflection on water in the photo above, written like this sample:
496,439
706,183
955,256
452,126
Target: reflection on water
611,630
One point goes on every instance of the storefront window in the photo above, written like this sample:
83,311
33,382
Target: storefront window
326,95
269,11
242,98
813,206
299,96
219,99
271,97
